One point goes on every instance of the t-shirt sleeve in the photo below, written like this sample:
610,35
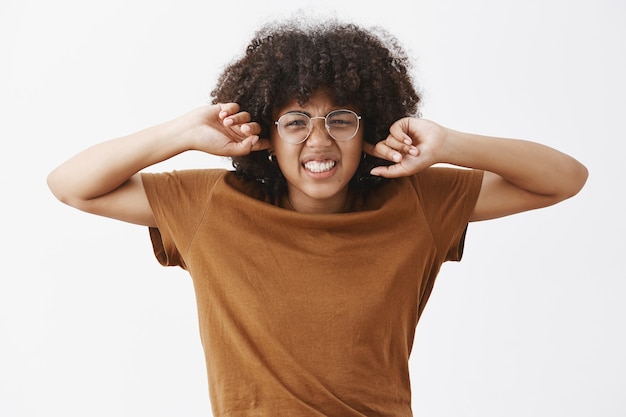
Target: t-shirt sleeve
448,197
179,200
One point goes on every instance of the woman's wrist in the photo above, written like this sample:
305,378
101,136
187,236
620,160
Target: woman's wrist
177,135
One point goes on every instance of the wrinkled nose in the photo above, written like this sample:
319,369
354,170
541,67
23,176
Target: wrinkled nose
319,136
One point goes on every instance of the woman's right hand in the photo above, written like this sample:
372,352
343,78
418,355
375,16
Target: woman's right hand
104,179
221,129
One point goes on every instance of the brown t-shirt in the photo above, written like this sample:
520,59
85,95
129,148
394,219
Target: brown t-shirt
310,315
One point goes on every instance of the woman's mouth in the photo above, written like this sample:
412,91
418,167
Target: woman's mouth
318,167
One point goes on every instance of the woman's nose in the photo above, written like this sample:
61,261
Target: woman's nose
319,136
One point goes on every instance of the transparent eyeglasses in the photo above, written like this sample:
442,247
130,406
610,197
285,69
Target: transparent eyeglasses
295,127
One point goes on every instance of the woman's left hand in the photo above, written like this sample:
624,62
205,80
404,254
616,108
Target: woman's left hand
519,175
413,144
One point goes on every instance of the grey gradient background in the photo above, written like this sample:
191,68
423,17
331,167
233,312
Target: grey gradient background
530,323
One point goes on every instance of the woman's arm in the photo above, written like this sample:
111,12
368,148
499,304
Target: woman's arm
519,175
105,179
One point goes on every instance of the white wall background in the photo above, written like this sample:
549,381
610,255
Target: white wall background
531,323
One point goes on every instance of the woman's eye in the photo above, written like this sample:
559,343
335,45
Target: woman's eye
340,122
296,123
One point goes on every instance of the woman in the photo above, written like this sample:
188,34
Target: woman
314,259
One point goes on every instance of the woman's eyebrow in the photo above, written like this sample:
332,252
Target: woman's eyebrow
297,111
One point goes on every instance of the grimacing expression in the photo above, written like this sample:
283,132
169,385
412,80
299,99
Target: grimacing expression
318,168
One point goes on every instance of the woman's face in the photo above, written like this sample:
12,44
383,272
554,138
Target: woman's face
319,169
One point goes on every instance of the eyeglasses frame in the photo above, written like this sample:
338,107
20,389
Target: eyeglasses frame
311,118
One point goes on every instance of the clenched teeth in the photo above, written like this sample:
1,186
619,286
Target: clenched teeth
320,166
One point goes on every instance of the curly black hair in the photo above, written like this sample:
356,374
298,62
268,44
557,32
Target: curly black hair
365,68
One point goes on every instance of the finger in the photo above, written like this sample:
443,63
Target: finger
395,142
244,147
252,128
227,109
370,149
237,119
384,151
240,147
403,146
261,144
391,171
399,131
380,150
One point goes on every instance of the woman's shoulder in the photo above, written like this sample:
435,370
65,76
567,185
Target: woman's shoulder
444,175
188,174
185,180
424,185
